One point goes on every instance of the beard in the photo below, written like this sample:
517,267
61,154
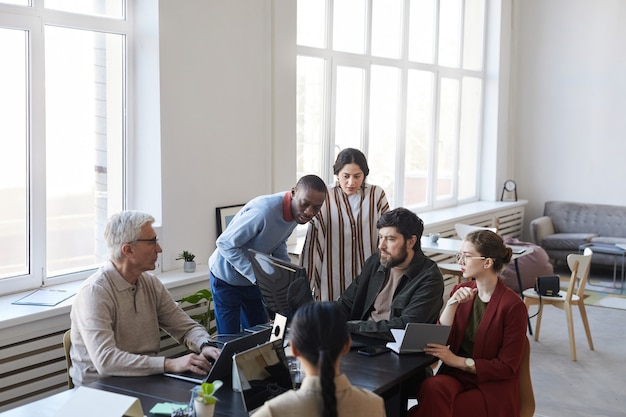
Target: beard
390,261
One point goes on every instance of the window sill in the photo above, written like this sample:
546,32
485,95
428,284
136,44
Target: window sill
179,283
435,219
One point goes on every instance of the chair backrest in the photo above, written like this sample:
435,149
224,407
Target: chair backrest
67,343
579,265
527,396
463,229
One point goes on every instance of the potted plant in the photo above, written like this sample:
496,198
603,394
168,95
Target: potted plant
204,402
190,264
206,317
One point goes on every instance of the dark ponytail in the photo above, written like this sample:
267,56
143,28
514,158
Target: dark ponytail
319,331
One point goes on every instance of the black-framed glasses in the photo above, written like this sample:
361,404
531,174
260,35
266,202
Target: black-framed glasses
153,241
461,258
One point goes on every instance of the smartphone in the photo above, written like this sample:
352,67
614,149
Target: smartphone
373,350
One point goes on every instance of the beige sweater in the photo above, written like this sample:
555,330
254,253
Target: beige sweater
307,401
115,326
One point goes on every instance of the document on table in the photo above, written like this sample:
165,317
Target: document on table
44,297
96,403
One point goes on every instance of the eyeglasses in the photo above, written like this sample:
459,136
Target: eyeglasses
461,258
153,241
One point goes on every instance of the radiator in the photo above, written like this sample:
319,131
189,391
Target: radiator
32,359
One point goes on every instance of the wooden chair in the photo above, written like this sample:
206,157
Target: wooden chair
462,230
67,342
527,396
579,265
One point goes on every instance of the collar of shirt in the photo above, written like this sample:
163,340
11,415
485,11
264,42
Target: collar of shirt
287,207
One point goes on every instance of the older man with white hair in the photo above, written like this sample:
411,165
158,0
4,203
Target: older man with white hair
118,311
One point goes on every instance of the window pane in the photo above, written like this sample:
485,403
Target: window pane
450,33
469,137
383,127
17,2
84,142
473,34
13,153
349,26
311,23
422,20
310,114
419,130
108,8
386,28
349,111
447,150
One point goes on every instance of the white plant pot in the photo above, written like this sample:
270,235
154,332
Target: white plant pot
189,266
202,409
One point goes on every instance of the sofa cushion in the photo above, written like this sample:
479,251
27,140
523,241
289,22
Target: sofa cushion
567,241
607,240
600,219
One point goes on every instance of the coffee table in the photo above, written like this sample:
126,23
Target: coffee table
617,250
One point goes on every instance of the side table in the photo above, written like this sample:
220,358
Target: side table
616,250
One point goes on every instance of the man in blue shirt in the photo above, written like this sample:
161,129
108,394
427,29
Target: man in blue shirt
264,224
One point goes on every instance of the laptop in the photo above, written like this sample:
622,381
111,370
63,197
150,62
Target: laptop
261,373
222,367
415,336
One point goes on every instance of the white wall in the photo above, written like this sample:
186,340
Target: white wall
569,101
227,79
220,144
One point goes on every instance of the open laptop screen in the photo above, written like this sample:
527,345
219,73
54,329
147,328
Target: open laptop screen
222,367
284,285
262,373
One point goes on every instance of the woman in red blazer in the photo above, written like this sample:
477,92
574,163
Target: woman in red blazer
480,371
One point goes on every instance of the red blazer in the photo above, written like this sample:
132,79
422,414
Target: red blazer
498,348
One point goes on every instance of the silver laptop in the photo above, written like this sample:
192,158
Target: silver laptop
261,373
415,336
222,367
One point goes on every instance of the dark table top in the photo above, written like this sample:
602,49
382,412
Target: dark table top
380,374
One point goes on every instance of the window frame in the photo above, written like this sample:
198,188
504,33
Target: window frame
34,19
333,59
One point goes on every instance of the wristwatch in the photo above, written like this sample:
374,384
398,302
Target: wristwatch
205,344
469,363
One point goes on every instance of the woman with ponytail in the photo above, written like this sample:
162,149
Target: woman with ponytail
319,337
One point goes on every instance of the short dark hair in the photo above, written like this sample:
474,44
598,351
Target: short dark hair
351,156
405,221
320,332
311,182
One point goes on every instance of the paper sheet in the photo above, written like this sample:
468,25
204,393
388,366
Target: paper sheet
96,403
44,297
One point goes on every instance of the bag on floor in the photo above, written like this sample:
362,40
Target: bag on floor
548,286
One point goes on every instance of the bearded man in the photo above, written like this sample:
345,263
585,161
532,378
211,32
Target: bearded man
398,285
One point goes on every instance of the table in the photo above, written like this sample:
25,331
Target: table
391,376
618,249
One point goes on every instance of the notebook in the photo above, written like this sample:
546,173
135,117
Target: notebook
261,373
415,336
222,367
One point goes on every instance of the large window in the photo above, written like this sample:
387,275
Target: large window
63,128
403,81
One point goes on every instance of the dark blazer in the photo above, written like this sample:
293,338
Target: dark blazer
418,298
498,348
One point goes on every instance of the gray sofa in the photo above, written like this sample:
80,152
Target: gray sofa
565,226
